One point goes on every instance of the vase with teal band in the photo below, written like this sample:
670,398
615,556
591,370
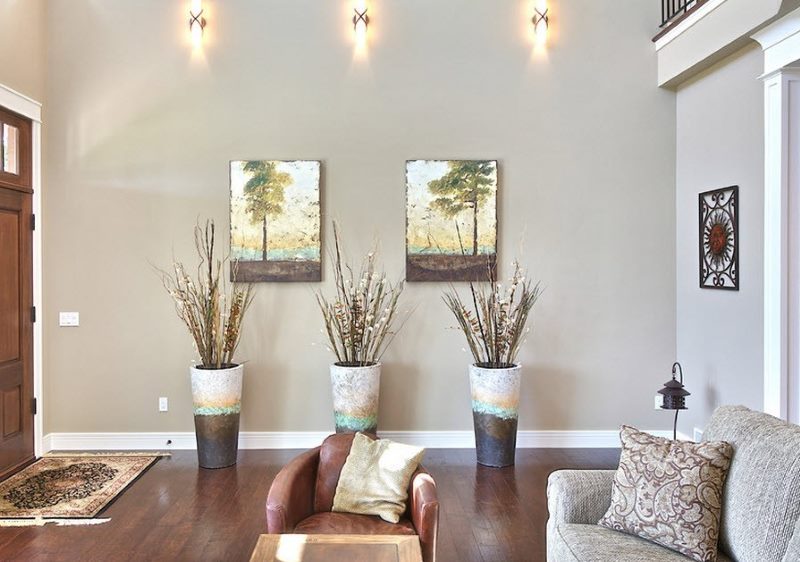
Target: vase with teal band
356,390
217,401
495,405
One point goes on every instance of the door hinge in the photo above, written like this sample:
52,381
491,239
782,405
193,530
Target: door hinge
33,222
34,405
33,314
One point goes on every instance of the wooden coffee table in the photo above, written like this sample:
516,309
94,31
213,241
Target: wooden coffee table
337,548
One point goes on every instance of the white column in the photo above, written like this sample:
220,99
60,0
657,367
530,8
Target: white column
780,228
781,44
791,93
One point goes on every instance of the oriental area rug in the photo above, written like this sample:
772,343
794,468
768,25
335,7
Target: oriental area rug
68,487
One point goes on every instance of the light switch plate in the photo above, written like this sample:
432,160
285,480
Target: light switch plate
69,319
698,435
657,401
163,404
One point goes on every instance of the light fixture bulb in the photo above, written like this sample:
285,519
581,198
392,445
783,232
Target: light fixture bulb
541,22
360,22
197,22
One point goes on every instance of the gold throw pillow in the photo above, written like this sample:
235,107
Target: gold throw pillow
375,478
670,492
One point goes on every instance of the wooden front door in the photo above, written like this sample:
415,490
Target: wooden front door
16,293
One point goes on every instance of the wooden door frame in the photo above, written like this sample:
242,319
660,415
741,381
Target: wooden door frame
25,106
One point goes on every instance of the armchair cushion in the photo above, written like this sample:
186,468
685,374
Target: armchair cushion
375,478
352,524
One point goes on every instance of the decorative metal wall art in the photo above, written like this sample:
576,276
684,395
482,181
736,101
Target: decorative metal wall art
719,239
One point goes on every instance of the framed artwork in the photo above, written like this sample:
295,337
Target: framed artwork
451,220
719,239
275,220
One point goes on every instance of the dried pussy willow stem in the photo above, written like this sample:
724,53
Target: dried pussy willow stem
212,310
360,319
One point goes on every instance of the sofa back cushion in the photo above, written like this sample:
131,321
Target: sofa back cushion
793,552
761,499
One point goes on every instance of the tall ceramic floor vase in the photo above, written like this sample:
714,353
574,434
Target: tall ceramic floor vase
355,397
495,402
217,398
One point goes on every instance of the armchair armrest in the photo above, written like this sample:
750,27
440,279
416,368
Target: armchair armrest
578,496
291,496
423,508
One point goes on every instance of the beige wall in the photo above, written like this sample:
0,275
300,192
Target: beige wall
22,46
140,133
721,143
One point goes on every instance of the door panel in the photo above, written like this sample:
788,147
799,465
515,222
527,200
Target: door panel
16,295
9,286
12,411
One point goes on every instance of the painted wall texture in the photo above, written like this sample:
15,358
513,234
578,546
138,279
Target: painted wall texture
720,127
22,46
140,132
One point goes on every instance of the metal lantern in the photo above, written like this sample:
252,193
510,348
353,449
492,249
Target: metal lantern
674,395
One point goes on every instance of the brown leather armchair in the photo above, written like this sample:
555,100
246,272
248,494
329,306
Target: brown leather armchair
301,498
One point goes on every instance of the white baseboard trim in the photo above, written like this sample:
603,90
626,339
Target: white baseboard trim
308,439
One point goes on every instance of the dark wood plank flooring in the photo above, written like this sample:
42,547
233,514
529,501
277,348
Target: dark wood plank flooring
176,511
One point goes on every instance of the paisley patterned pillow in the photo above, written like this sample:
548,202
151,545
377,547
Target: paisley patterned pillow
670,492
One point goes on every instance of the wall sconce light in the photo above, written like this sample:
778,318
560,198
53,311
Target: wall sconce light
360,24
360,19
197,22
541,21
674,396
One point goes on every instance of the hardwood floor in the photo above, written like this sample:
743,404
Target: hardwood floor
176,511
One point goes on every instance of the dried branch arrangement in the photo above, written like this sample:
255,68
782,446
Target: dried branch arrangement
495,326
360,319
211,309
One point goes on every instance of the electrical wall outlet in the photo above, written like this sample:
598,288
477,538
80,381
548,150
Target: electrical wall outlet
163,404
657,401
69,319
698,435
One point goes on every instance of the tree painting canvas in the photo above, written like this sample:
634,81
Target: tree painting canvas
275,220
451,220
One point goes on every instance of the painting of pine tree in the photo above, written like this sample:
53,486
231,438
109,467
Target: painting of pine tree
451,220
275,220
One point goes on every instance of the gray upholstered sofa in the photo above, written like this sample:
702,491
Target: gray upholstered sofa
760,511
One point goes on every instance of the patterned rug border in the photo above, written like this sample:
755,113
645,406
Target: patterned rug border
87,519
83,454
56,522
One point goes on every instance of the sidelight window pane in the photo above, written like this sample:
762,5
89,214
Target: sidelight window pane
9,150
